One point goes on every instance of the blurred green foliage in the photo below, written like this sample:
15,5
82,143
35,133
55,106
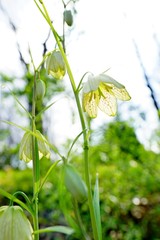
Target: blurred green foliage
130,184
129,179
21,88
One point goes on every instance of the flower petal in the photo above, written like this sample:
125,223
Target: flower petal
55,65
108,104
90,102
91,84
120,93
107,79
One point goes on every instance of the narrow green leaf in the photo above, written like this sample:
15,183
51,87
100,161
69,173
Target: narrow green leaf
60,229
16,125
97,208
20,103
45,108
80,83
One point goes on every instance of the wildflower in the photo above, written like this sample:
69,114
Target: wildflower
102,92
25,152
14,224
55,65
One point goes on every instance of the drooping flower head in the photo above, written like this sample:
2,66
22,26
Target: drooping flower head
102,91
14,224
55,65
25,151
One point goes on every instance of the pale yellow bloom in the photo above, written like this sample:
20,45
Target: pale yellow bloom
55,65
25,151
102,92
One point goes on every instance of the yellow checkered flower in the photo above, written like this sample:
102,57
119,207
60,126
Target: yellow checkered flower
102,92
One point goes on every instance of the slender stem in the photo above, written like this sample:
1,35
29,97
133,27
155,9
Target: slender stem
24,196
36,173
86,145
79,220
63,41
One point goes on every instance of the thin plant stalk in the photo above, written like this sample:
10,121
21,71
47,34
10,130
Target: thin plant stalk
79,221
36,171
81,116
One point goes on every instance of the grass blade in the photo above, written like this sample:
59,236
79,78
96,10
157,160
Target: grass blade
97,208
60,229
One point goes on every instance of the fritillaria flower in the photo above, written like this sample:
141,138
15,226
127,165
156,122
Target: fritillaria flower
14,224
55,65
102,92
25,152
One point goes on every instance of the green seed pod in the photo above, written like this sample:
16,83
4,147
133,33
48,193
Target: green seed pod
74,183
68,18
55,65
14,224
40,90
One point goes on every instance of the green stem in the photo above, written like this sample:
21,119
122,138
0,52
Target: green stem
86,145
36,171
79,221
24,196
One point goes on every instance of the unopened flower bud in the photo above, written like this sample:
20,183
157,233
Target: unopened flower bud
40,90
74,183
14,224
25,152
68,18
55,65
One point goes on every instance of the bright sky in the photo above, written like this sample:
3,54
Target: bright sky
102,38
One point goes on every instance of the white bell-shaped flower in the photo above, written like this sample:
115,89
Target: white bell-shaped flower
102,91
